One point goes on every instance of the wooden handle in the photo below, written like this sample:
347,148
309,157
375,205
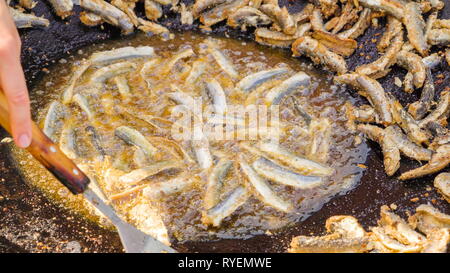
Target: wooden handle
49,154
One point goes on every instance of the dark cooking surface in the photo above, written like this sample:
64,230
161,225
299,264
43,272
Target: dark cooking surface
30,223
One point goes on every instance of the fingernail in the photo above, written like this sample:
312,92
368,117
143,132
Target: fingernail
24,141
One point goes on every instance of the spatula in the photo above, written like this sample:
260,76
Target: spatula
52,158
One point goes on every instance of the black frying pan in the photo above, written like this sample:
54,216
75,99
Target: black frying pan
30,223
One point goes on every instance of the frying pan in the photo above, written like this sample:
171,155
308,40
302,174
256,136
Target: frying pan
30,223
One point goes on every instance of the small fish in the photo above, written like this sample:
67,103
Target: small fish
393,28
122,53
432,61
63,8
391,153
153,10
281,16
372,90
248,16
27,4
138,175
319,54
263,190
442,183
135,138
391,7
23,20
96,142
275,38
439,160
112,70
253,80
160,189
408,83
221,12
298,81
440,36
76,75
123,87
348,14
215,183
302,165
217,95
128,8
109,13
317,20
413,63
200,144
52,123
409,124
83,103
342,46
152,28
186,15
406,146
320,132
223,62
421,107
198,68
68,141
382,65
202,5
235,199
276,173
415,26
183,54
90,19
442,109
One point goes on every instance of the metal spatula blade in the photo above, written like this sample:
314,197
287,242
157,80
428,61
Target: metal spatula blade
133,240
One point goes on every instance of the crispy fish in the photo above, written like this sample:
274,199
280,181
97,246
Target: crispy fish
83,102
442,109
341,46
63,8
440,36
109,13
372,90
223,61
128,8
439,160
276,173
248,16
359,27
391,153
379,67
406,146
27,4
275,38
319,147
442,183
316,20
393,28
413,63
202,5
281,17
415,26
263,190
421,107
221,12
112,70
391,7
153,10
23,20
319,54
198,68
152,28
90,19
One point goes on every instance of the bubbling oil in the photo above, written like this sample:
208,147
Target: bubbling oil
180,214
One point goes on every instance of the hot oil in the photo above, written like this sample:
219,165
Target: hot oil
181,212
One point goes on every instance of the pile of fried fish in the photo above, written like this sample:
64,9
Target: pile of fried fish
426,231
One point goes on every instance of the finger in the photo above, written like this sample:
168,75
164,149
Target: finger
15,89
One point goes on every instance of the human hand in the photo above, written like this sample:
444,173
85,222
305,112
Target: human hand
12,79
